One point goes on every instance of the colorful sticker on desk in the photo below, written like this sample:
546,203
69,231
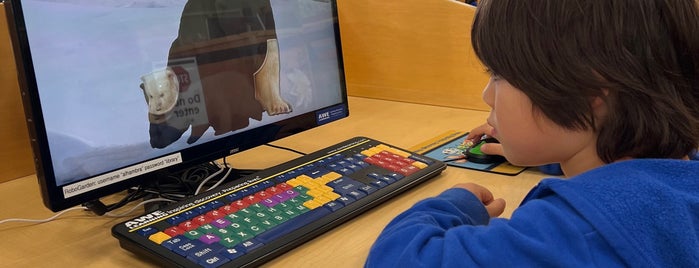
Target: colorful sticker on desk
449,147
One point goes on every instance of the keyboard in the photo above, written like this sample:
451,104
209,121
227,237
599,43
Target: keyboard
249,221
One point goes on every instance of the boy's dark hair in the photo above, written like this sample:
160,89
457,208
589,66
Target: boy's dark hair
640,56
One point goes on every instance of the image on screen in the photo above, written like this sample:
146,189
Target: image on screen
122,83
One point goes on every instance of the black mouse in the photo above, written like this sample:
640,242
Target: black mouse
475,155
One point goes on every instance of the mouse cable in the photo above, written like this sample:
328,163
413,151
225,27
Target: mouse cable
455,159
285,148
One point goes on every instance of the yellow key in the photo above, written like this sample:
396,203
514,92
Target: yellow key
419,164
324,188
399,152
370,152
315,193
159,237
293,182
322,200
311,204
382,147
331,195
304,178
331,177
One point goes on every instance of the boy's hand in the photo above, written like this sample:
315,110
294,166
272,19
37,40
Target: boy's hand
475,135
495,207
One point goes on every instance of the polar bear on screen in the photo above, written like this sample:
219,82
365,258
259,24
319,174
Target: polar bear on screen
161,88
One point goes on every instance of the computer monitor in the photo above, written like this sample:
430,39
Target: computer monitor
119,93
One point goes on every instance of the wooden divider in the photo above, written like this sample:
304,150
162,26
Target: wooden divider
15,153
411,50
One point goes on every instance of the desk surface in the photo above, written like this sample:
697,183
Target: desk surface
80,239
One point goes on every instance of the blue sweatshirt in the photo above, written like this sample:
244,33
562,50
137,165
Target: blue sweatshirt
639,213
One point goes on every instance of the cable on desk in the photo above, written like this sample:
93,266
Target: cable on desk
43,220
108,214
284,148
455,159
205,180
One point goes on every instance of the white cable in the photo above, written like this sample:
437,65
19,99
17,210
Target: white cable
201,185
44,220
110,214
221,180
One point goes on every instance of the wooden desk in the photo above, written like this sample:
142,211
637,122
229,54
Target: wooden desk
80,239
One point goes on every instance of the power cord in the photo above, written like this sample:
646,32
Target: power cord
43,220
108,214
284,148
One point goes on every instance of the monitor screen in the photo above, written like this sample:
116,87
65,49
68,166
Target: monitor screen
119,92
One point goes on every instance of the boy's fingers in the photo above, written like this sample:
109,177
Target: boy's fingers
496,207
492,148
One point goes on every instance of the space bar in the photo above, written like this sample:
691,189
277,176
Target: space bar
292,224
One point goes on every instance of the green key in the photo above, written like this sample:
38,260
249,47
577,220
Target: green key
206,229
301,209
223,232
193,234
229,241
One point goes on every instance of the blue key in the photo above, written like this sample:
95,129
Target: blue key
201,254
176,220
174,242
213,261
345,200
215,204
368,189
334,205
379,184
203,209
395,176
356,194
147,231
232,253
344,185
387,179
249,245
374,175
185,248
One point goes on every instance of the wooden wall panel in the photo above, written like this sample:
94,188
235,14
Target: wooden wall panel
411,50
15,153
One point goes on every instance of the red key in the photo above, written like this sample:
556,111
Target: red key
174,231
188,225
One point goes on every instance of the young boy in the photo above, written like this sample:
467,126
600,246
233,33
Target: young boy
608,89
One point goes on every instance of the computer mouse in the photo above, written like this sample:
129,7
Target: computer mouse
475,155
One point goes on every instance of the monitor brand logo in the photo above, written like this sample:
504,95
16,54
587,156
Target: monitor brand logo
323,116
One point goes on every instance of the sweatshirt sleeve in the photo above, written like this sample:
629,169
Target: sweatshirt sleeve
453,230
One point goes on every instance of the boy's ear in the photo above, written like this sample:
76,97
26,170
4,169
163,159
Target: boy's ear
598,104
